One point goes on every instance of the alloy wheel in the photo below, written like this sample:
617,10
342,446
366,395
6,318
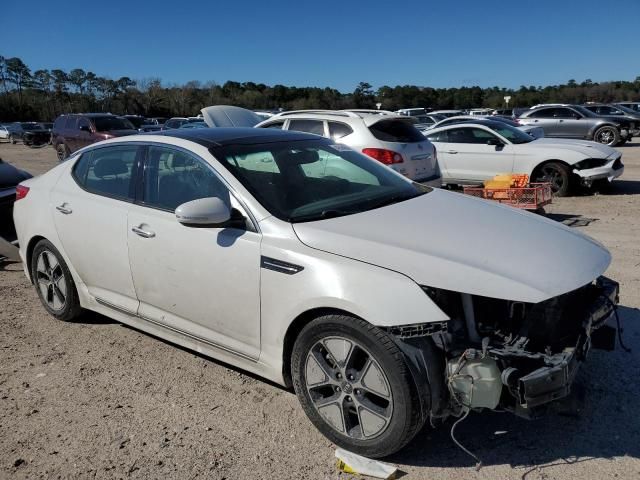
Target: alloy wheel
605,136
51,281
348,388
552,175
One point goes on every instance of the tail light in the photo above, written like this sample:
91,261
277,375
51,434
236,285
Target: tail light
21,192
388,157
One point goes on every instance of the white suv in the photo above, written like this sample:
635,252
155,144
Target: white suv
389,138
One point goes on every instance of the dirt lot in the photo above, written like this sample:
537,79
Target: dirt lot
95,399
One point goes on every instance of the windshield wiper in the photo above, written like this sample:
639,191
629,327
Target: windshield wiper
390,201
323,215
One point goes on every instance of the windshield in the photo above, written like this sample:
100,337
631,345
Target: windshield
584,111
310,180
30,126
106,124
627,110
512,134
136,121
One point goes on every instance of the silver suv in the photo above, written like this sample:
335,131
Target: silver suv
385,136
574,121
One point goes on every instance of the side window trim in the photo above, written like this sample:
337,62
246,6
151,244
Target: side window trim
134,172
252,224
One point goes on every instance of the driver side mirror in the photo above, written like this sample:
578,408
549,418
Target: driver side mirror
495,142
204,212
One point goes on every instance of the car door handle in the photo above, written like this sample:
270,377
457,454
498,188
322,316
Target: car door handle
452,151
143,233
63,209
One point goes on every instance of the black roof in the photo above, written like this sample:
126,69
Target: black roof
216,137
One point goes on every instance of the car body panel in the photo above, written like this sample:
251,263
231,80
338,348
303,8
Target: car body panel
161,265
444,257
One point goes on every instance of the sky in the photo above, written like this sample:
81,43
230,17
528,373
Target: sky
331,43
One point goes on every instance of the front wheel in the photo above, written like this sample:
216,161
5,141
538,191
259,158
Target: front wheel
607,136
355,386
558,175
53,282
12,139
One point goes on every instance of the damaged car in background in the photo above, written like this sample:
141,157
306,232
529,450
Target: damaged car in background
384,303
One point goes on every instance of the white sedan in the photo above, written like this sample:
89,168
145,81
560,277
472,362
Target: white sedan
303,261
472,152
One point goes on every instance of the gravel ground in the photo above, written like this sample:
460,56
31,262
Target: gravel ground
95,399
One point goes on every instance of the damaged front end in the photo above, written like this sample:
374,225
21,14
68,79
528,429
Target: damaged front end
520,356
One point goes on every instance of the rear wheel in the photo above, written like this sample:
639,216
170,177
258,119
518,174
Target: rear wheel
62,152
607,136
53,282
354,385
558,175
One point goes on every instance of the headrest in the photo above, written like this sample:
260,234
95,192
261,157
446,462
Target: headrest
176,161
109,166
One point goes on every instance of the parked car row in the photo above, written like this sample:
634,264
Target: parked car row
609,124
28,133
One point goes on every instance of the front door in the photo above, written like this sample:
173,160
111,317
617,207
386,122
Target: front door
90,204
203,282
467,157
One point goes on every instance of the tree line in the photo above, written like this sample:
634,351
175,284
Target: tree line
42,95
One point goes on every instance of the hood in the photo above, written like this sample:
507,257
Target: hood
11,176
585,147
229,116
616,119
455,242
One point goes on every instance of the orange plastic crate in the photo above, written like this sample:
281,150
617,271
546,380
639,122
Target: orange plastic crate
530,197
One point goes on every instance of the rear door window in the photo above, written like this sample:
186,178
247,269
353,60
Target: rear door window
310,126
108,171
396,131
338,130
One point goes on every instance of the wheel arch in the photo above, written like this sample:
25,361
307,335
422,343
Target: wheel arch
29,252
294,329
592,132
537,168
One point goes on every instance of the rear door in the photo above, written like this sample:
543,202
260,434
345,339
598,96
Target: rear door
90,206
467,157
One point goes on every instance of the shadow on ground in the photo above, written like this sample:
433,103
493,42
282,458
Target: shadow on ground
571,219
604,425
622,187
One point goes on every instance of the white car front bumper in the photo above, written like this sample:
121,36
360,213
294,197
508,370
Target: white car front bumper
610,171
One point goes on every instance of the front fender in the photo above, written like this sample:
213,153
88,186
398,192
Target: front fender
380,296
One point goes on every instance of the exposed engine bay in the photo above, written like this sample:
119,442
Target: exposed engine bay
513,355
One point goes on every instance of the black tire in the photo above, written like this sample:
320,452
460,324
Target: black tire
556,173
405,419
12,140
607,135
62,151
59,279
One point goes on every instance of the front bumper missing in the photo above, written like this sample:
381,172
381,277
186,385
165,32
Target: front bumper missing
553,381
609,172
